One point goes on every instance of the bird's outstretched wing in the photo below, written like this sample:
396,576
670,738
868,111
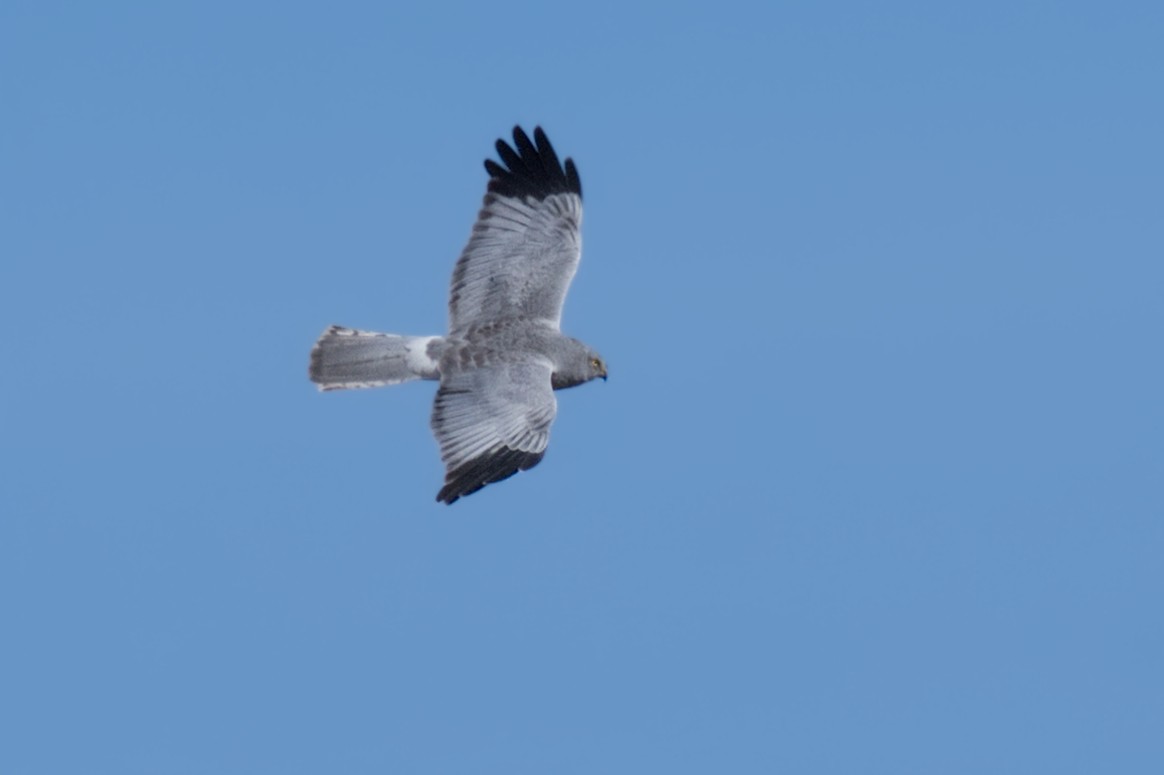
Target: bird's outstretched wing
492,422
526,244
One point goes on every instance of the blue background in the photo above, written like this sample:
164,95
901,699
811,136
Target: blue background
876,485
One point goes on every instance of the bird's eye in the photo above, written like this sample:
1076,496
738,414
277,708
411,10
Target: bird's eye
595,363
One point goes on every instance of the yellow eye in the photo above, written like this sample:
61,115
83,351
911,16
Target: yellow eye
595,364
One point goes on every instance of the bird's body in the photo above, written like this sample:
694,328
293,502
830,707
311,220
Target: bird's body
504,354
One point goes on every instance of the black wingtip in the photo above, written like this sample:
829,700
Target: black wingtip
531,168
489,469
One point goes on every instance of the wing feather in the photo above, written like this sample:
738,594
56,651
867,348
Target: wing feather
492,422
525,246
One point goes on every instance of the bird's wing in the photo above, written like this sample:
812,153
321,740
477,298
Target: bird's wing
492,422
526,244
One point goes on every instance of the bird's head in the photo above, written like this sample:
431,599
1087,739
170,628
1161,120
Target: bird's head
575,363
597,366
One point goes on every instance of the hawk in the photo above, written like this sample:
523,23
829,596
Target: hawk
504,354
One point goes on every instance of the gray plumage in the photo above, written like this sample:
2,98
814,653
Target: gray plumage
504,354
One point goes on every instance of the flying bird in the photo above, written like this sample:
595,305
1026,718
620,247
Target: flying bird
504,354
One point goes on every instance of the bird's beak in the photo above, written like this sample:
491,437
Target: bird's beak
604,375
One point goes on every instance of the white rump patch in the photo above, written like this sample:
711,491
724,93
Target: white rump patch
418,359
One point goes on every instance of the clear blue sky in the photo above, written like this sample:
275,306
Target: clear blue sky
876,485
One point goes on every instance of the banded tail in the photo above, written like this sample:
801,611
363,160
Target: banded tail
344,358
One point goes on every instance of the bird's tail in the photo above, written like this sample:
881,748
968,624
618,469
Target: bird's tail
346,358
